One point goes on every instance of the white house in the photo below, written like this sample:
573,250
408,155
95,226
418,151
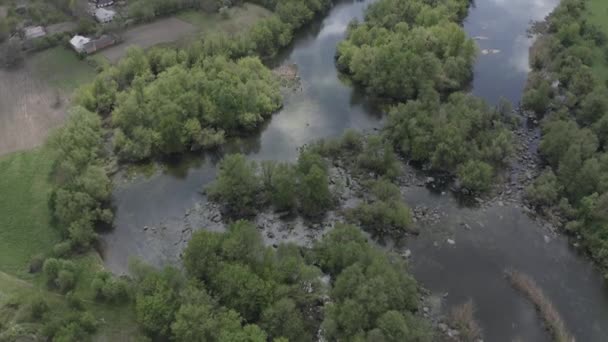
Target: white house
79,42
104,15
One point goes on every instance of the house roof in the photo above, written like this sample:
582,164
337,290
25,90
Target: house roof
78,42
104,15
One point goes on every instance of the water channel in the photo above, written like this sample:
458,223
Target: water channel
498,236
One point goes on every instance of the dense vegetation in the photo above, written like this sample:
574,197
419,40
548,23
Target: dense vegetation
82,194
406,46
167,101
244,187
416,52
236,289
574,102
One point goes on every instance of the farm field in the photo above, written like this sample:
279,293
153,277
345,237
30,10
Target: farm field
24,211
147,35
185,26
34,97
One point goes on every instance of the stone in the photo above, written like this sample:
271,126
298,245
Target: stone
407,253
547,239
451,242
443,327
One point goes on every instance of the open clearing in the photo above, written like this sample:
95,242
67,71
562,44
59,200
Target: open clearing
597,13
147,35
34,97
239,19
185,26
25,216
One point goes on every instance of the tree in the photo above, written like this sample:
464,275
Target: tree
476,175
237,184
315,197
283,187
284,319
545,189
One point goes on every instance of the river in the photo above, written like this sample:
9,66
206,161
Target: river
487,239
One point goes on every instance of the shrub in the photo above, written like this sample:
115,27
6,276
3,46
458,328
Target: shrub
36,262
476,175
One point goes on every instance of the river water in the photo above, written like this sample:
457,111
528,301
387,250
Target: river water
487,240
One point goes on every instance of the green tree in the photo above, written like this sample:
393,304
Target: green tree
476,176
315,197
237,184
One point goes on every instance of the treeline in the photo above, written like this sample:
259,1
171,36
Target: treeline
416,53
264,39
237,289
244,187
81,198
574,102
234,288
170,100
167,101
406,46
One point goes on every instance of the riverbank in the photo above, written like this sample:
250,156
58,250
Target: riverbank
570,191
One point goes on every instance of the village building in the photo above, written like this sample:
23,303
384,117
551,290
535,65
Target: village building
78,43
102,42
104,15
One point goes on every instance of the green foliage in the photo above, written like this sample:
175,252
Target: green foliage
156,301
377,157
60,274
538,94
405,46
451,134
241,185
237,184
83,188
476,175
109,288
576,130
545,189
371,292
314,193
385,214
182,107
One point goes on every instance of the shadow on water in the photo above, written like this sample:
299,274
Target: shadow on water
498,236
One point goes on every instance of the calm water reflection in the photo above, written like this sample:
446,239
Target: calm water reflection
501,237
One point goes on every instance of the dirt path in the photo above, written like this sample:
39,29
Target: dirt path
145,36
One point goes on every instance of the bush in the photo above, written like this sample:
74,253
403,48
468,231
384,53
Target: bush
545,190
38,307
66,280
237,185
476,176
36,262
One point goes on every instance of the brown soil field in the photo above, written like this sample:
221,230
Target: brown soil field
147,35
29,109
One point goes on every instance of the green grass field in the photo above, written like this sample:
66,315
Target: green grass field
239,19
62,68
25,216
598,15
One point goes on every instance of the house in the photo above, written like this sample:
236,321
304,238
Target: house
102,42
78,43
102,3
33,32
104,15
